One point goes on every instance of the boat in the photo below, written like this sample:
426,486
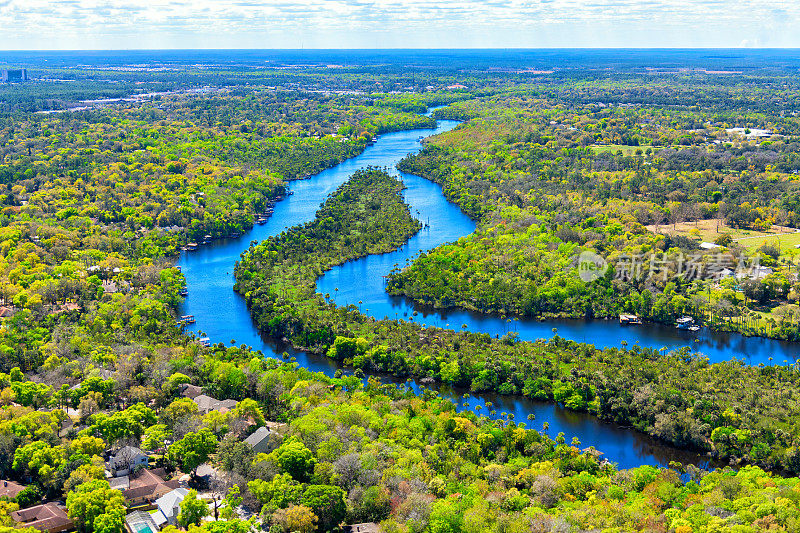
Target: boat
694,328
627,320
191,247
685,322
184,292
188,319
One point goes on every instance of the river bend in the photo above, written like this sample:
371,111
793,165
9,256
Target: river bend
223,316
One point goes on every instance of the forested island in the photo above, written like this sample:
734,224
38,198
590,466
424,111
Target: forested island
114,414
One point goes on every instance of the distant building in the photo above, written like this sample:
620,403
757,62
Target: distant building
13,75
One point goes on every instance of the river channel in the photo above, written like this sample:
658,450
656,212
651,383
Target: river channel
222,315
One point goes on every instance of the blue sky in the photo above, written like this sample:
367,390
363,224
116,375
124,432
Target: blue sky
114,24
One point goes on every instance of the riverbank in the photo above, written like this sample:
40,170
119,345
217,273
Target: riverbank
208,275
222,314
656,393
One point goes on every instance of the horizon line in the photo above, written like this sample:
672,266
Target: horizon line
304,49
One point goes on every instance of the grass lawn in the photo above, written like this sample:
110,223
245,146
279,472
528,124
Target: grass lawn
784,242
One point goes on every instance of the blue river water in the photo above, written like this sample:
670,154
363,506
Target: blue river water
222,315
361,283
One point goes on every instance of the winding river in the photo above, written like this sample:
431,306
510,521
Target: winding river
222,315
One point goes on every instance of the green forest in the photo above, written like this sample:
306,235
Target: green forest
96,365
547,182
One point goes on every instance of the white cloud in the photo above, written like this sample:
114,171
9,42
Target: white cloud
40,24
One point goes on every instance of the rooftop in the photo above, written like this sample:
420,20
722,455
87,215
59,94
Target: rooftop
259,435
171,501
43,517
10,488
148,484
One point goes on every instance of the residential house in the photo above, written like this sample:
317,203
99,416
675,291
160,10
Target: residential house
259,440
148,486
10,489
206,404
169,506
111,287
126,460
48,517
190,391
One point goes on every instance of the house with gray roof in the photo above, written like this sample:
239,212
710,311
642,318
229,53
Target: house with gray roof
206,404
126,460
259,440
169,505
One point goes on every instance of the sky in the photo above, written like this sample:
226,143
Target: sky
142,24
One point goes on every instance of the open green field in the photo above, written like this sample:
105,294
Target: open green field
786,241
